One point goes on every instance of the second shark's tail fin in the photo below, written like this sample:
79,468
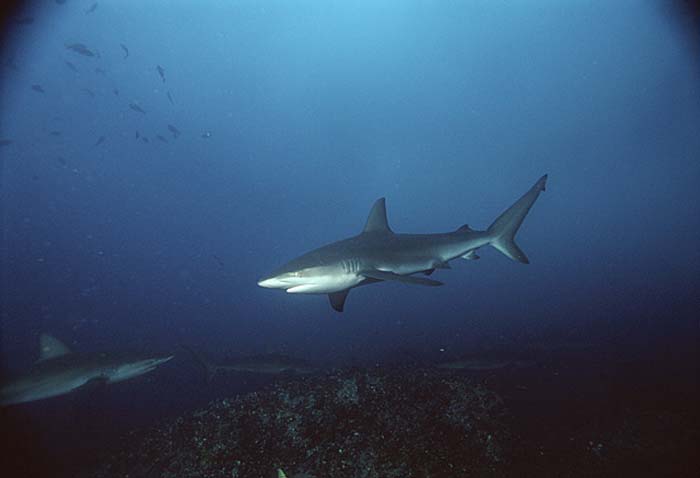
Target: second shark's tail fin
209,368
505,227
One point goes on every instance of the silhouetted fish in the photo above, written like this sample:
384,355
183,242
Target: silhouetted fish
80,48
144,139
126,50
38,88
92,8
55,133
218,261
170,98
116,92
61,2
161,138
137,108
161,72
99,141
174,131
100,71
62,160
206,135
89,92
5,142
137,135
71,66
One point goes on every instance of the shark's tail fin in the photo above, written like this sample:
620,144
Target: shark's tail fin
208,367
505,227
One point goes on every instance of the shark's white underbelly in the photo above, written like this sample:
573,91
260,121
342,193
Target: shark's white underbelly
327,284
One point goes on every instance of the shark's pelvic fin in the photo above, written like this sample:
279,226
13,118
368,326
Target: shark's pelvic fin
505,227
470,256
337,299
376,221
386,275
50,347
280,473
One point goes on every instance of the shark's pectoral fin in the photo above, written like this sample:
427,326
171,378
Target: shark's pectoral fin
442,265
337,299
470,256
428,272
385,275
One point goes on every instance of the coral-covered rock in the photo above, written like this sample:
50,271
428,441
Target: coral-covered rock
355,423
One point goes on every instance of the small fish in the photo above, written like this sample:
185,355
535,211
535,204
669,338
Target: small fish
5,142
126,50
72,66
61,2
38,88
137,108
116,92
161,138
80,48
62,160
218,261
174,131
137,135
145,139
100,71
92,8
99,141
161,72
88,92
55,133
170,98
206,135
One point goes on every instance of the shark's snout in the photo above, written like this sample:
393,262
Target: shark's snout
279,281
268,282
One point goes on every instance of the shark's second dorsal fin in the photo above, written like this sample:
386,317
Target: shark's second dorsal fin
50,347
376,221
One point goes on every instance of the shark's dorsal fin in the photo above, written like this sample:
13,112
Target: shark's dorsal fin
50,347
376,221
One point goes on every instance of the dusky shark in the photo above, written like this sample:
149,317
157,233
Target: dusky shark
267,364
378,254
59,371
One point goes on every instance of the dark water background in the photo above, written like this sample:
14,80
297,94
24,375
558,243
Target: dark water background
449,109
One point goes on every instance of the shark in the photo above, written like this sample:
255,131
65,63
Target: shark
266,364
60,371
379,254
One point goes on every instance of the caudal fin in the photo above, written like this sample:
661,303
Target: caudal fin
505,227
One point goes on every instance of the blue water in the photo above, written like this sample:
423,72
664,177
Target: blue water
294,118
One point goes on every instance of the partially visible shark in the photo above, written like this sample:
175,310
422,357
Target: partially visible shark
59,371
268,364
378,254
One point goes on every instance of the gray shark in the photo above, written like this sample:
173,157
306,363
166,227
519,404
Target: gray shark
268,364
58,372
378,254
